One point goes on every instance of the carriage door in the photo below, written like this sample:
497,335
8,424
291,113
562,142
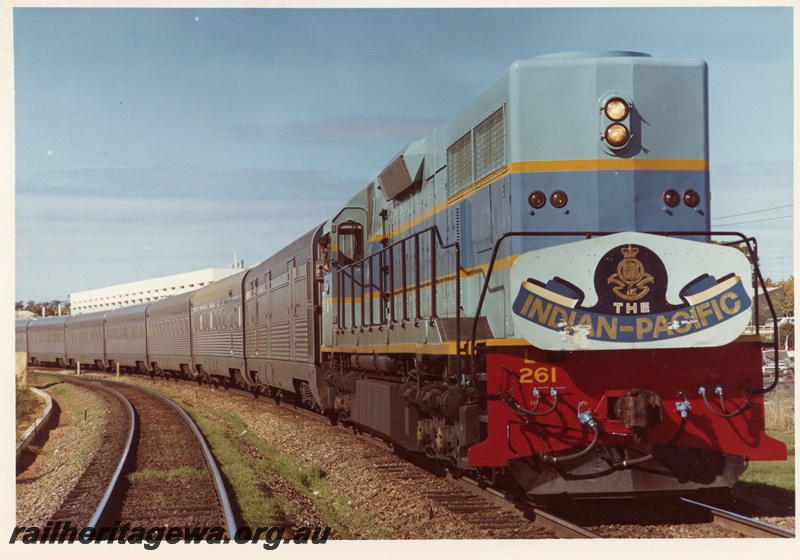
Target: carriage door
251,318
303,312
280,305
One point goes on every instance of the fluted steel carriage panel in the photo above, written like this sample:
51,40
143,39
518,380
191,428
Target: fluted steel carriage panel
21,335
85,339
216,328
281,327
126,336
169,346
46,344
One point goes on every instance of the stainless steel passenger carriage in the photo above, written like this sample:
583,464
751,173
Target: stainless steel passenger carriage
85,342
21,335
281,305
46,341
169,342
216,325
126,338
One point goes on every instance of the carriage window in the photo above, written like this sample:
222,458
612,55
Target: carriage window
350,243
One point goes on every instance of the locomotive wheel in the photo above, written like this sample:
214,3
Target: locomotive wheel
332,416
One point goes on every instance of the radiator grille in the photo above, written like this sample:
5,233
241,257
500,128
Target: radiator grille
489,139
459,164
478,153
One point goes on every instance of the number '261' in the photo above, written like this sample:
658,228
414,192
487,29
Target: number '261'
541,374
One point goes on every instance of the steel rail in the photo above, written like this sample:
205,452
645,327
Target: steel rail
742,524
561,527
101,508
230,520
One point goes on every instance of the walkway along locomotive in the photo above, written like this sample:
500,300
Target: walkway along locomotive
531,293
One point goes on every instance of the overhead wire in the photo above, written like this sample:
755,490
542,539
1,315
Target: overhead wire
753,212
754,221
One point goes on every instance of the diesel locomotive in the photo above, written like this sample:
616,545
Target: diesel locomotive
531,294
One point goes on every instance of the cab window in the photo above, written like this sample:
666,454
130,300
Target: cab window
350,243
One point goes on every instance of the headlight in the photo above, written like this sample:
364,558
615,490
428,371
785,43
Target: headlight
672,198
537,199
616,109
617,135
615,122
691,198
558,199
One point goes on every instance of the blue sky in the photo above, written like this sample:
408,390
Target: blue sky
153,142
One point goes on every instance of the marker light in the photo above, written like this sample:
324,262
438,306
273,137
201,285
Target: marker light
672,198
617,135
537,199
616,109
558,199
691,198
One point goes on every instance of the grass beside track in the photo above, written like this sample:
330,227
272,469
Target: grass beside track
243,456
28,405
86,411
779,418
779,474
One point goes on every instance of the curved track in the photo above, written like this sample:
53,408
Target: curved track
166,474
89,498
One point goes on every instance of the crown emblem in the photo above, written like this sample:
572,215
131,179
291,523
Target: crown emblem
631,282
630,252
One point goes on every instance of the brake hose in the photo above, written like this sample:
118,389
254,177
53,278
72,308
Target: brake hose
585,418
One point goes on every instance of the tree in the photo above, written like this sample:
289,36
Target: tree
50,307
784,305
786,302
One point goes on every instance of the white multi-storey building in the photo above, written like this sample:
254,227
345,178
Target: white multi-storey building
132,293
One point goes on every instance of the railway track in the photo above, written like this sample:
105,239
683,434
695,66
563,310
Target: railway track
88,499
488,509
166,475
740,523
547,520
472,499
666,518
485,508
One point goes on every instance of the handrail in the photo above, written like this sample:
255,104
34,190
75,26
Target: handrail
381,256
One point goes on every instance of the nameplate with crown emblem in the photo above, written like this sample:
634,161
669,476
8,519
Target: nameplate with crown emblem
631,290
